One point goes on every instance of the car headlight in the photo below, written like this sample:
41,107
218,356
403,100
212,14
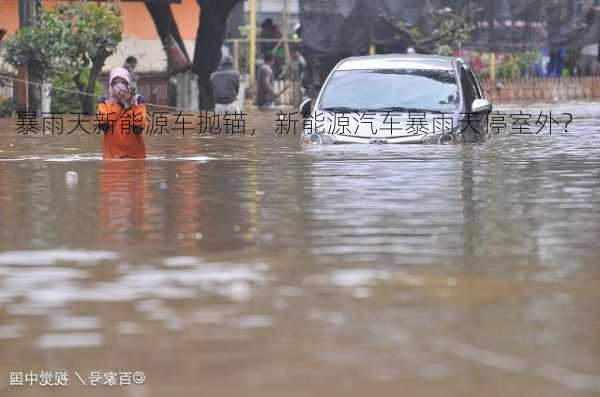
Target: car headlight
318,138
440,138
327,139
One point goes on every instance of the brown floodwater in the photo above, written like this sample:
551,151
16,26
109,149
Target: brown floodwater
251,266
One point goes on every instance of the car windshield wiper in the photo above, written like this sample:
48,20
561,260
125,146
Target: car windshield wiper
404,109
345,109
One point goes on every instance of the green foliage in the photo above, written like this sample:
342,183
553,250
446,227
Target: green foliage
68,102
37,46
71,41
508,66
451,28
94,32
516,65
7,107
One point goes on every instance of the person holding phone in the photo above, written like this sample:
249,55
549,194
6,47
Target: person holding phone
122,119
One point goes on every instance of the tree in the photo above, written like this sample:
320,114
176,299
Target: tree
93,33
209,39
450,26
35,47
74,39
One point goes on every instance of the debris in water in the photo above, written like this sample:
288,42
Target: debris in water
71,178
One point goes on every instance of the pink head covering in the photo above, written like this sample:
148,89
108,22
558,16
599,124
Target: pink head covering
119,72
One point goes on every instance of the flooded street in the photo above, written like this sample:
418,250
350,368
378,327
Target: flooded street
252,266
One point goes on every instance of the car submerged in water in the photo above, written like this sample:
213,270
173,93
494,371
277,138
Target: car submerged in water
386,99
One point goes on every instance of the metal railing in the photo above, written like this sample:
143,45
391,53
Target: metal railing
286,84
6,88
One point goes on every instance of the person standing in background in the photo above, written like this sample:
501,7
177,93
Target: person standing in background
270,31
265,93
130,65
225,85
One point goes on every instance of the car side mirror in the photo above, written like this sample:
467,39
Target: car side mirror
481,106
306,107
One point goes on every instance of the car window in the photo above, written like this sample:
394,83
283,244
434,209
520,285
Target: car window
469,89
478,89
471,84
429,90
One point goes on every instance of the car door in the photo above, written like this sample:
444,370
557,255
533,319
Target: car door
471,91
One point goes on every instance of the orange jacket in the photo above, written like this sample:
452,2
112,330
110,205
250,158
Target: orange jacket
123,129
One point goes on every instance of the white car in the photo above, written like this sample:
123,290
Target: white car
408,98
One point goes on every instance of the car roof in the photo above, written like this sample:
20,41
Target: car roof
397,61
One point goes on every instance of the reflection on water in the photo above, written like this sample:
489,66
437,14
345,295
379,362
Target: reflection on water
122,200
252,266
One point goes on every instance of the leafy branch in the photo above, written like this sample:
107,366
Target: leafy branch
450,27
72,39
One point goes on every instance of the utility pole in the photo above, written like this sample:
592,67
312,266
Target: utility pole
25,92
492,40
252,41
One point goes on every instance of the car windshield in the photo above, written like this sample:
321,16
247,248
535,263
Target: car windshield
391,89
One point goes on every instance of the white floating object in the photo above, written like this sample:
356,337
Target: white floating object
70,340
71,178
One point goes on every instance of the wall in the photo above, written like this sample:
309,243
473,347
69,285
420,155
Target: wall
140,37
